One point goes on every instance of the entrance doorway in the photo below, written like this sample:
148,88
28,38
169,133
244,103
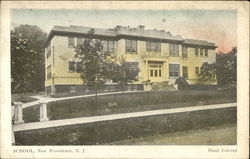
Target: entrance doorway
155,71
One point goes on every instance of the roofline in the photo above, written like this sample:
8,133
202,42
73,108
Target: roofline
53,32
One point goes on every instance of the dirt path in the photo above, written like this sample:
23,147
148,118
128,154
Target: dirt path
218,135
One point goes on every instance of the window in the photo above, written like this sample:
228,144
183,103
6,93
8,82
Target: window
197,70
48,50
71,42
156,73
78,66
131,46
79,41
153,46
133,66
49,72
174,70
111,46
173,49
151,73
108,46
201,51
72,66
185,71
196,51
184,52
206,52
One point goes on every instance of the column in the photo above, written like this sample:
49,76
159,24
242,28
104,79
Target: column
43,111
18,113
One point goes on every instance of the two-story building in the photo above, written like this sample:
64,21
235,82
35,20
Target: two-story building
159,55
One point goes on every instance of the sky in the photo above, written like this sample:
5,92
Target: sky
219,26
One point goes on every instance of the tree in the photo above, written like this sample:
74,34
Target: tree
208,72
27,50
224,70
226,66
22,64
124,73
93,62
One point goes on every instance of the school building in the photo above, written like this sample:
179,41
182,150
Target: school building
160,56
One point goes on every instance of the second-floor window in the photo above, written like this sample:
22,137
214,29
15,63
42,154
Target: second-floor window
184,52
153,46
79,41
131,46
201,51
108,46
173,50
74,66
48,49
196,51
206,52
71,41
49,72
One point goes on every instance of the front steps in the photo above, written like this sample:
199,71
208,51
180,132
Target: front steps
163,86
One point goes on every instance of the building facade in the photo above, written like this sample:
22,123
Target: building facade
159,55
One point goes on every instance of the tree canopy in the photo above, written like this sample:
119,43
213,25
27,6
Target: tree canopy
124,73
92,63
27,59
226,67
224,70
97,67
208,72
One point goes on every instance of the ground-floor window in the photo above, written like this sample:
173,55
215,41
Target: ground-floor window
174,70
197,70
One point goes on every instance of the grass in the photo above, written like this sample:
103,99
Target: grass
225,134
24,99
108,132
131,102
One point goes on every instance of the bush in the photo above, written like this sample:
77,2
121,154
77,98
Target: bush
182,83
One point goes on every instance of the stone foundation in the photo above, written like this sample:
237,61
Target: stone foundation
83,89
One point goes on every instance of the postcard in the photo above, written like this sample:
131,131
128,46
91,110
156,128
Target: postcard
124,79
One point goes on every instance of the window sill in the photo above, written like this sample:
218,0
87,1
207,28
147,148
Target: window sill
173,77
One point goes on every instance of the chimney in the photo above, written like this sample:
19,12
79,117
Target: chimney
140,27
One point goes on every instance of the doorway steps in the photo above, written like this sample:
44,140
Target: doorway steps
163,86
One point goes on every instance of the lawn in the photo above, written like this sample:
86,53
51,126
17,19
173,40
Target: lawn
25,99
130,102
225,134
109,132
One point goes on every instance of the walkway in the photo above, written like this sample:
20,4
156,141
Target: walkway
51,99
83,120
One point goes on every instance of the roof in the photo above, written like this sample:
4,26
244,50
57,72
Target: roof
120,31
198,42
